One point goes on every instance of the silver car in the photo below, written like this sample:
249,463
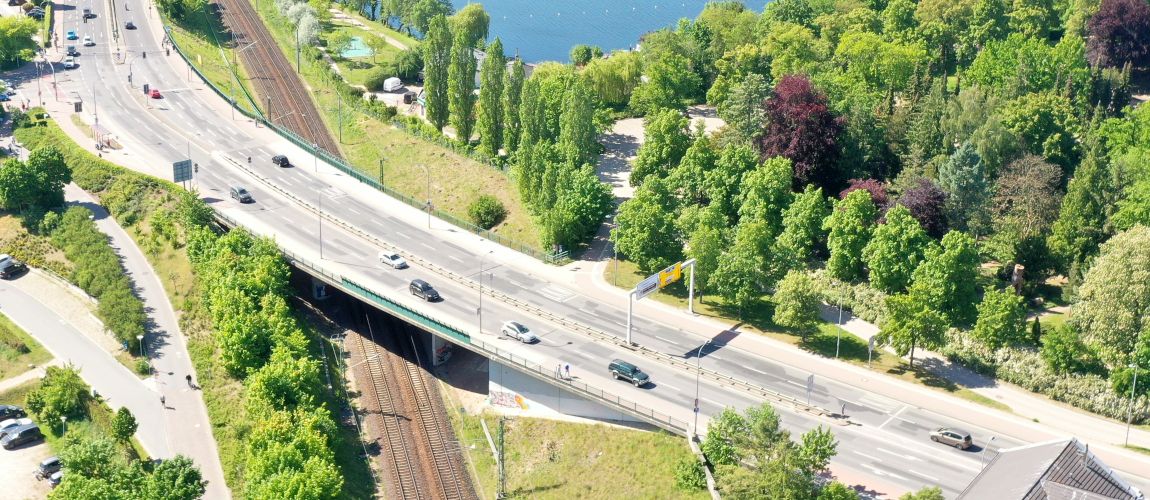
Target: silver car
952,437
518,332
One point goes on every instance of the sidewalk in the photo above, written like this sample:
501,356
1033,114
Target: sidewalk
168,352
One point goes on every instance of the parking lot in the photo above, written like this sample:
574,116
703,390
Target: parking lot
16,467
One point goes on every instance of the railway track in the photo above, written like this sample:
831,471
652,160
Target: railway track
421,454
286,100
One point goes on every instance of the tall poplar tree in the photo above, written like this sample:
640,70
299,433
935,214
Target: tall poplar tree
436,58
512,96
577,124
491,99
461,87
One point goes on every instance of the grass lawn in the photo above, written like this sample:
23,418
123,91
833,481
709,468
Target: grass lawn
560,460
97,422
18,352
356,70
398,158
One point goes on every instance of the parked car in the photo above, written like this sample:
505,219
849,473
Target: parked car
69,63
71,35
129,25
4,97
72,51
622,370
21,435
518,332
423,290
10,268
241,195
88,42
48,467
952,437
392,259
281,161
10,411
55,478
13,423
155,94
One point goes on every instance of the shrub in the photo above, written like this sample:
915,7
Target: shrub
689,474
862,300
486,211
62,393
375,79
143,367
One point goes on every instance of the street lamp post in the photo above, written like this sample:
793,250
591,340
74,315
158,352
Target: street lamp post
698,370
140,339
63,424
985,450
1130,407
839,333
479,311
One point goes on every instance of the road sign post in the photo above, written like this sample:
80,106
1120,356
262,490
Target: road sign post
182,171
658,281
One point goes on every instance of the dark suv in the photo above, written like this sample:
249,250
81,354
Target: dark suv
9,267
281,161
626,371
423,290
9,411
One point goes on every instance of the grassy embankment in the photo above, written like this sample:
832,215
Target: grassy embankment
18,351
139,199
198,38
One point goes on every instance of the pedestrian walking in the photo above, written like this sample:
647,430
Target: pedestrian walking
188,377
567,370
163,401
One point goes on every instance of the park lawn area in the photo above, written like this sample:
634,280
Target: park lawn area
357,70
198,40
97,422
550,459
377,27
385,152
18,351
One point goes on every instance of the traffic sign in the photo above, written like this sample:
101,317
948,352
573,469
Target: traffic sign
647,287
671,274
182,171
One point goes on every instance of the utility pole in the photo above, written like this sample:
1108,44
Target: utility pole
502,493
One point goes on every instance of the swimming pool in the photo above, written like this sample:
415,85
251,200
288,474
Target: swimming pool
356,48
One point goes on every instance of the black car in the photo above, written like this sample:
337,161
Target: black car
88,14
281,161
72,51
48,467
10,268
423,290
241,195
9,411
129,25
21,435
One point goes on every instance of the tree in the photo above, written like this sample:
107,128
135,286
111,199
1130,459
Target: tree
1037,18
689,179
1001,319
875,188
338,43
817,448
926,202
1064,352
927,493
911,323
665,142
461,87
964,179
705,243
577,134
421,14
795,50
614,78
16,44
471,23
743,109
797,303
850,227
1026,201
62,393
802,128
176,478
39,182
669,82
93,457
1114,300
1120,34
436,60
583,54
836,490
878,64
948,277
512,97
895,250
490,125
645,231
741,274
1081,225
1046,126
124,424
802,229
766,192
723,182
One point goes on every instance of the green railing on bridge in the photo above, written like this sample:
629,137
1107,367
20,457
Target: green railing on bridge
408,314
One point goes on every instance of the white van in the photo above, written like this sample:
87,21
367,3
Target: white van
392,84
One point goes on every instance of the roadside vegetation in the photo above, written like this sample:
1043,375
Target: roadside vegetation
17,45
18,351
259,368
199,33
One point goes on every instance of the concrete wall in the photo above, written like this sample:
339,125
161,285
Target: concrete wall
510,389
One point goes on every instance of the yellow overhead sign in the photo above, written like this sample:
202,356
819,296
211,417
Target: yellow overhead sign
670,274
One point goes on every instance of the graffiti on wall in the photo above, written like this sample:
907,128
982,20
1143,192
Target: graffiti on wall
507,400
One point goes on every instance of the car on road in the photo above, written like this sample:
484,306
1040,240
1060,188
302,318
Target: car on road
69,62
21,435
88,41
281,161
423,290
8,90
241,195
392,259
72,51
622,370
951,437
11,411
88,14
155,94
48,467
4,97
10,268
71,35
518,332
129,25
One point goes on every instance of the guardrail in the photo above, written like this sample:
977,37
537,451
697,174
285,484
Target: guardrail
598,335
460,337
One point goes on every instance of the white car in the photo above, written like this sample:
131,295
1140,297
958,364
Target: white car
518,332
13,423
88,41
392,259
69,62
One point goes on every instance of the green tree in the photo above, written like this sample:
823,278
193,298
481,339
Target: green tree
741,275
743,110
39,182
1026,201
461,87
93,457
802,228
948,277
766,193
669,82
62,393
722,182
490,125
1001,319
577,134
836,490
437,58
816,450
421,14
645,231
614,78
880,65
911,323
124,424
1036,18
1114,300
665,142
705,243
1046,125
795,50
895,250
964,179
16,43
338,43
1081,224
850,226
176,478
512,97
472,22
689,179
1064,352
797,302
927,493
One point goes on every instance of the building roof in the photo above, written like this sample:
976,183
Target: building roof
1062,469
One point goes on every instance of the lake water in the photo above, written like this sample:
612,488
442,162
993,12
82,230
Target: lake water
545,30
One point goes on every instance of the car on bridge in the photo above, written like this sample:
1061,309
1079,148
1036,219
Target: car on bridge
129,25
952,437
72,35
423,290
622,370
281,161
72,51
88,14
518,332
392,259
155,94
241,195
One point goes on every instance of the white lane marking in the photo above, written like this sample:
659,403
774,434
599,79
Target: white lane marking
919,474
586,311
402,235
425,245
672,342
884,473
516,283
872,457
661,384
892,417
354,211
792,382
716,403
456,259
901,455
754,370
